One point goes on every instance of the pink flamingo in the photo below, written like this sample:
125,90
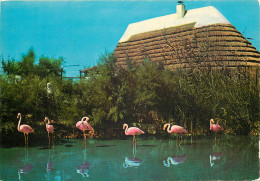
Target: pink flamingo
49,128
215,127
132,131
26,129
175,129
83,125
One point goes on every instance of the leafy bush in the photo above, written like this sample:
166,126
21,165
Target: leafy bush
144,94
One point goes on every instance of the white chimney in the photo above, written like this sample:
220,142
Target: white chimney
180,9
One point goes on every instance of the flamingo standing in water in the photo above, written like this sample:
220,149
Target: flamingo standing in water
175,129
215,127
84,126
26,129
132,131
49,128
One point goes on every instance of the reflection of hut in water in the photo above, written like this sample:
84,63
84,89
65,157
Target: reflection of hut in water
190,38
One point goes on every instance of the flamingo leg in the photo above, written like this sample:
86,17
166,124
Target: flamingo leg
84,140
134,151
181,140
49,138
52,140
27,139
133,139
177,139
24,139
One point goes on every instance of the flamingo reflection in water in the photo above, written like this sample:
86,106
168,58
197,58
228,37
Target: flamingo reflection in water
25,169
49,166
83,168
214,157
27,166
132,162
174,160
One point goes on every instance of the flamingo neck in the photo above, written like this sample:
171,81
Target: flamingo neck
18,127
167,162
211,125
168,125
83,119
48,122
126,129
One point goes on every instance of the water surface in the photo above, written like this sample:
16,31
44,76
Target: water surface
227,158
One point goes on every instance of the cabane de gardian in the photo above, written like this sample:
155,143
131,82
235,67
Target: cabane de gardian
198,37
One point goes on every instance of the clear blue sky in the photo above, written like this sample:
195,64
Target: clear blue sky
81,31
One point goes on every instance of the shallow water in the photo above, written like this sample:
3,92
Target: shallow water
227,158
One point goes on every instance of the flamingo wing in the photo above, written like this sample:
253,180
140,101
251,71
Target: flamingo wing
26,129
134,131
178,129
216,127
179,159
81,125
78,124
88,127
26,168
49,128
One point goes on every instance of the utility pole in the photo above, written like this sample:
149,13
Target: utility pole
61,73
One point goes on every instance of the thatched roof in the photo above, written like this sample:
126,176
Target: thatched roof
186,45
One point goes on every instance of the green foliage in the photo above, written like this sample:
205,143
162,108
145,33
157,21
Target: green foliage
146,94
24,89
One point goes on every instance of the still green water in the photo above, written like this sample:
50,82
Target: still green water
227,158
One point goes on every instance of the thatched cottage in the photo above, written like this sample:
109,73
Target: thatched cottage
197,37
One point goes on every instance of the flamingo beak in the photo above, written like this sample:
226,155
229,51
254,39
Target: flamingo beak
124,126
